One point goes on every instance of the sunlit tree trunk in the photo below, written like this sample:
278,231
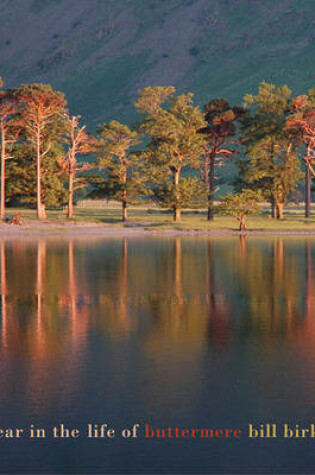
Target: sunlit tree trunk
124,201
41,212
176,209
279,208
176,214
307,191
71,196
242,223
211,186
3,170
124,210
72,167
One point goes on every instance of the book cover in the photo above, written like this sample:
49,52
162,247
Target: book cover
157,237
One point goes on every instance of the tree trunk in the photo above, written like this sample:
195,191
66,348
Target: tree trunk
273,209
71,193
177,213
279,207
72,168
124,210
41,214
124,199
42,211
211,187
3,159
307,192
242,223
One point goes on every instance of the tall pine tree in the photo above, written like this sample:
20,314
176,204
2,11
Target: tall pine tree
9,132
42,117
173,124
273,165
121,170
78,143
220,133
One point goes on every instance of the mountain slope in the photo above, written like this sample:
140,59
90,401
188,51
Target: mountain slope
100,52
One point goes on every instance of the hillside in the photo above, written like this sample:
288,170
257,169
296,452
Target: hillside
100,52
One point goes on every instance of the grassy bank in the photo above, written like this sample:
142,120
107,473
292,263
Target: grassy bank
155,219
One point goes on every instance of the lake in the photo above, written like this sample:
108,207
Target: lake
188,332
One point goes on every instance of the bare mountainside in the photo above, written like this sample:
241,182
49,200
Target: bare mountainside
100,52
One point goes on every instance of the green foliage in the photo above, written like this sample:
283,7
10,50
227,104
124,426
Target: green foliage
163,156
42,116
54,192
241,205
21,174
268,113
273,165
42,120
172,123
274,168
271,100
188,193
311,95
220,134
122,174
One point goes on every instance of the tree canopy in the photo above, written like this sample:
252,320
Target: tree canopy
170,156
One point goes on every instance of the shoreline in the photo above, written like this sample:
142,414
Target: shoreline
86,229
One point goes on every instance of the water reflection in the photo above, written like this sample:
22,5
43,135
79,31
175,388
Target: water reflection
174,330
172,300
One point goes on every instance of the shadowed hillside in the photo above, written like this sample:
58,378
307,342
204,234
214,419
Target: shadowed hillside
100,52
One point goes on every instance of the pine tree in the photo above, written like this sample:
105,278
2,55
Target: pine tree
122,176
241,205
42,115
22,176
9,133
273,164
172,123
301,125
220,132
79,142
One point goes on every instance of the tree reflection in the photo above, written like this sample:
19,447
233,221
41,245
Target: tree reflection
173,298
4,314
217,307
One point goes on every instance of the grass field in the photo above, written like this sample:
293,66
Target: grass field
156,219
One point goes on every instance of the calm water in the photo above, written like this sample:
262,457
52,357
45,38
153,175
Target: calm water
187,332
